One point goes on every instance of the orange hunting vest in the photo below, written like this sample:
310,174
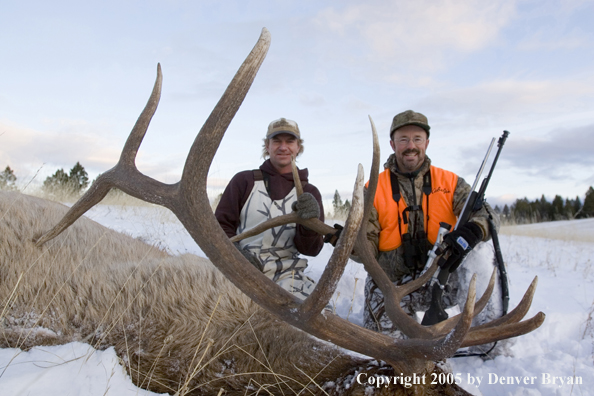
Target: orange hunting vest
441,199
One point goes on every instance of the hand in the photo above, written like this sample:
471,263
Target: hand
306,206
460,242
333,238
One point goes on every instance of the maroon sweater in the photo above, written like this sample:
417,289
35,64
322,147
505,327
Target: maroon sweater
238,190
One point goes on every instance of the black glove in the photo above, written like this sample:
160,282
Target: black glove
333,238
251,257
460,242
306,206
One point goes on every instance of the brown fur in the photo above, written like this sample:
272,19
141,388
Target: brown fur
176,322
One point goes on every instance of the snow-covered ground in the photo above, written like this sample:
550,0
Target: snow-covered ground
543,363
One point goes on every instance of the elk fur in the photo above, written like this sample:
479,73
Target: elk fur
166,316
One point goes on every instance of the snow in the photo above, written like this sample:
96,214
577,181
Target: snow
72,369
549,361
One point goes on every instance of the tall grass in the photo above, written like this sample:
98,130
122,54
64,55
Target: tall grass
188,384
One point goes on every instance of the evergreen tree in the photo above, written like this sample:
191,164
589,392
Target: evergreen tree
64,184
588,208
78,178
577,205
505,211
7,179
346,208
522,211
543,209
56,183
337,204
568,208
557,210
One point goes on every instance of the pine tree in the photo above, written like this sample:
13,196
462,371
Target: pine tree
57,183
7,179
577,205
588,207
557,211
337,204
78,178
346,208
63,184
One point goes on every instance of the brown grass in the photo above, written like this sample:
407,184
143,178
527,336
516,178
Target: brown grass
569,230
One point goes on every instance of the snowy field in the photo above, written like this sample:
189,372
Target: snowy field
556,359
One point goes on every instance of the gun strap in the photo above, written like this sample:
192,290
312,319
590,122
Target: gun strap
501,266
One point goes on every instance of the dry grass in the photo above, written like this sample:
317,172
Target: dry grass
111,320
567,230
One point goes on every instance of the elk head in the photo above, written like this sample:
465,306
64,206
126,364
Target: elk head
188,200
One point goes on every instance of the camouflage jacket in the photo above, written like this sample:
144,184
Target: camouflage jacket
393,261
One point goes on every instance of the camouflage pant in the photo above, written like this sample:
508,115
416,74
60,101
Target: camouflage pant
374,313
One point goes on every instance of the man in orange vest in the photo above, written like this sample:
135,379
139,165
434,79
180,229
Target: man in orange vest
412,198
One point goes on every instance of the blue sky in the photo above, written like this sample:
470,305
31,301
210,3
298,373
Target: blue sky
76,75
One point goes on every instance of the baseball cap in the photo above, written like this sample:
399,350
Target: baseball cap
409,117
283,125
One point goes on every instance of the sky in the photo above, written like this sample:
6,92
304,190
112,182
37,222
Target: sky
76,75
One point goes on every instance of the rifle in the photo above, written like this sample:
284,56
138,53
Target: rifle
436,312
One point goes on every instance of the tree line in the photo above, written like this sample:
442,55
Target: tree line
524,211
60,184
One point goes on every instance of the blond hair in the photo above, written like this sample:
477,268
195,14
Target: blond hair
265,152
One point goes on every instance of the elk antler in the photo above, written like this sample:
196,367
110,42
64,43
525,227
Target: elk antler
188,200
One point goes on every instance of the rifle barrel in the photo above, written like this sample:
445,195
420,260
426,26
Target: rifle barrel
468,206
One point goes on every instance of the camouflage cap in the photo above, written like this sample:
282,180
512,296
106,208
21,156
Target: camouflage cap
409,117
282,125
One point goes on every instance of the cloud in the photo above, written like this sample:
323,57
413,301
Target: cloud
426,31
561,154
510,102
26,149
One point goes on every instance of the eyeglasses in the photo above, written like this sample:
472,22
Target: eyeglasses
403,141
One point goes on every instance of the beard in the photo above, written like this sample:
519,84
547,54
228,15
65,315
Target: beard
407,165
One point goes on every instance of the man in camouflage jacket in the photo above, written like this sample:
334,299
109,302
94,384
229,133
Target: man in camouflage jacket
255,196
412,198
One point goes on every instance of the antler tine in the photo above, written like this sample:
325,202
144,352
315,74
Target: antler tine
363,249
209,138
502,332
517,313
314,224
296,179
373,178
457,336
133,142
118,176
442,346
446,325
326,286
